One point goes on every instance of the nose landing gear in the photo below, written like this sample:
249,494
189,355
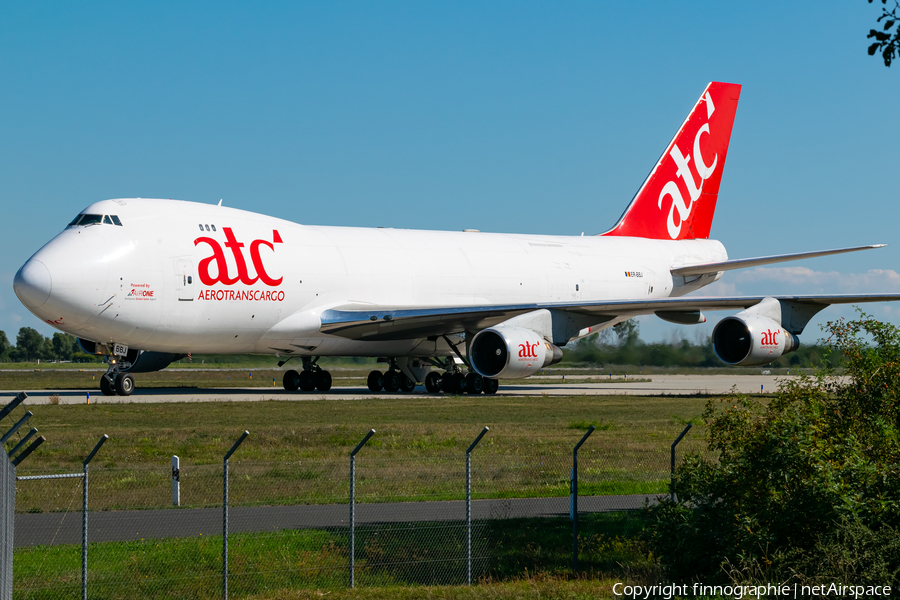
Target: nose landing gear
115,381
124,384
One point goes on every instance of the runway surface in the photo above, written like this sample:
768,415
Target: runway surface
134,525
572,385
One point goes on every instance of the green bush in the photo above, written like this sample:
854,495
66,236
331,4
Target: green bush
806,485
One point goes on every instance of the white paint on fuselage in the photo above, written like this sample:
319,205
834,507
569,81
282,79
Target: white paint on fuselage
97,269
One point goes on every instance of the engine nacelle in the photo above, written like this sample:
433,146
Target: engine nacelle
148,362
511,352
751,339
142,361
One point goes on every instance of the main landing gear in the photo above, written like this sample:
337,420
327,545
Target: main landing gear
458,383
450,382
312,377
390,381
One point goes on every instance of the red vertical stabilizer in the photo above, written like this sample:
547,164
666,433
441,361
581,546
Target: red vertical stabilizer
678,199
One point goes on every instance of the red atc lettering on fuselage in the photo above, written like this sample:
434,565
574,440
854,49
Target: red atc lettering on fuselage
243,276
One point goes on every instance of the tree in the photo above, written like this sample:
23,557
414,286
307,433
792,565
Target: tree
5,346
806,486
29,345
887,42
62,345
627,332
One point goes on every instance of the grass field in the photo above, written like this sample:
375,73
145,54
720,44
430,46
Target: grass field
398,559
298,451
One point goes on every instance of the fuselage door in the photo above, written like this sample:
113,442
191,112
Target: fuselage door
184,276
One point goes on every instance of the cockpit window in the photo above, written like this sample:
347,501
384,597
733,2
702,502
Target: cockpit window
90,220
82,220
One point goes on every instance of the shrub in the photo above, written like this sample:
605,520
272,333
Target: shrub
799,477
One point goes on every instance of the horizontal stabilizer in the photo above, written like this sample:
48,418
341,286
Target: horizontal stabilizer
743,263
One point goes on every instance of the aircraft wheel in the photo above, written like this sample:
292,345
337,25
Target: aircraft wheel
406,384
391,381
106,387
124,384
323,381
433,382
307,382
474,383
375,381
459,382
448,383
291,381
491,386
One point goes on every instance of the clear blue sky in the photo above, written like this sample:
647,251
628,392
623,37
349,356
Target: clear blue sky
538,117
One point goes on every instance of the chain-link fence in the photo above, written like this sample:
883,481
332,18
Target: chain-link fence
289,522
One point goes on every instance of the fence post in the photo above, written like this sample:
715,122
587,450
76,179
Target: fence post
19,399
176,480
574,499
23,441
672,463
353,503
469,505
15,427
8,500
225,514
84,515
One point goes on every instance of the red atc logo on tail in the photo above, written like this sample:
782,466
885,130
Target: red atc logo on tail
221,265
678,199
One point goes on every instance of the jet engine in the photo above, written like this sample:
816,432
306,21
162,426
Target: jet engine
750,339
511,352
142,361
147,362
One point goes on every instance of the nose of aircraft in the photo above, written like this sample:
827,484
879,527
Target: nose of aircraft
32,283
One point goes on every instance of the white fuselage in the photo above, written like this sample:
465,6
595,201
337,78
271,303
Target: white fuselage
165,281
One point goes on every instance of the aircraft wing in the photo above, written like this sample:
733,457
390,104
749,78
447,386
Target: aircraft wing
393,323
744,263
